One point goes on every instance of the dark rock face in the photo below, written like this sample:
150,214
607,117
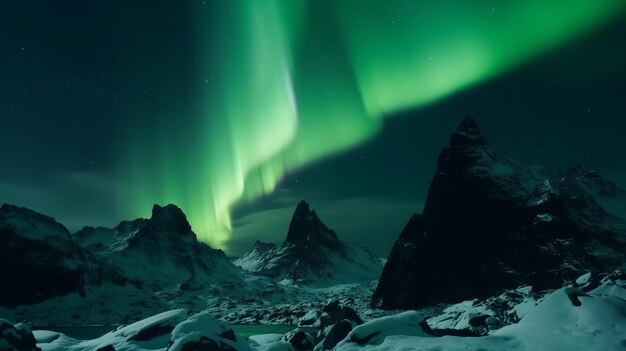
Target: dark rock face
38,258
336,321
299,339
306,229
167,235
307,243
311,253
16,337
334,312
337,333
491,223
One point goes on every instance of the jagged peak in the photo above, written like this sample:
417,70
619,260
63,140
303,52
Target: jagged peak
170,217
467,134
302,210
171,208
306,226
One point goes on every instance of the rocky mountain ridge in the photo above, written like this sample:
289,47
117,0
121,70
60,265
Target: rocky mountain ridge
108,275
39,259
492,223
311,254
164,243
140,267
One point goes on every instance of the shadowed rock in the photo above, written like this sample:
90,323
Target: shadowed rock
491,223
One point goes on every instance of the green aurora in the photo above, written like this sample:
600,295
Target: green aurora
282,84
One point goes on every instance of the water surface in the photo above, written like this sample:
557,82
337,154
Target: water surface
92,332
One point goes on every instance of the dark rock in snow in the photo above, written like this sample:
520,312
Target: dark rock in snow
16,337
38,258
299,339
334,312
336,321
337,332
573,294
491,223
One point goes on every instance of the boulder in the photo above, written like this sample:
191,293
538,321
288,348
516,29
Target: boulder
16,337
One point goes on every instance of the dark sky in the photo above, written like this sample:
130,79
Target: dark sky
81,82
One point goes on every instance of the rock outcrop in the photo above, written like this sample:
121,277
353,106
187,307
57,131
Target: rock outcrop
492,223
16,337
38,258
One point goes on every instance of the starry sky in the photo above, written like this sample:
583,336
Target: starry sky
237,110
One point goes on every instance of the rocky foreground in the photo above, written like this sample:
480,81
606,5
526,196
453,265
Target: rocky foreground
576,317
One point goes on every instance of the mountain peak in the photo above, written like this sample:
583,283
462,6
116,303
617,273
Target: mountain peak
302,210
311,254
467,134
170,218
493,223
307,228
30,218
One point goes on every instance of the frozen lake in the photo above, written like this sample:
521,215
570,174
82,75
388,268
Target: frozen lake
92,332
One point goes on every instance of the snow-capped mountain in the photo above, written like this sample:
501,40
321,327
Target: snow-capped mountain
109,275
144,266
161,251
40,260
491,223
312,254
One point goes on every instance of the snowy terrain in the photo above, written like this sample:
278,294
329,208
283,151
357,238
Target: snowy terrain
145,266
566,319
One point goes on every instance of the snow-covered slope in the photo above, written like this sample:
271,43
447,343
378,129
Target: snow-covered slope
312,255
492,223
161,251
567,319
110,275
145,266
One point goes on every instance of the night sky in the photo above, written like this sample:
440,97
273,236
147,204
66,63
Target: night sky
236,110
